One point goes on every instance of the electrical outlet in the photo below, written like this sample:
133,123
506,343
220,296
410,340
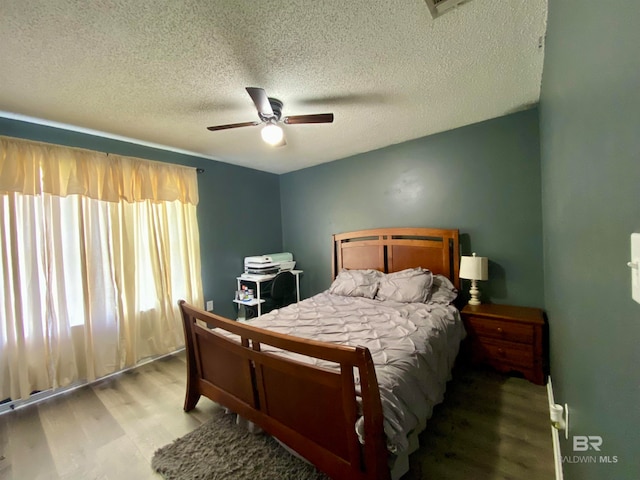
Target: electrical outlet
209,305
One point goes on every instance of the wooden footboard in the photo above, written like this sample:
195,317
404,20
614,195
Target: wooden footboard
311,409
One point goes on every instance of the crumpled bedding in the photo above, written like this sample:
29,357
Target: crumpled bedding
413,346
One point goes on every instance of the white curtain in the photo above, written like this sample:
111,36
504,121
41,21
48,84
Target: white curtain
96,251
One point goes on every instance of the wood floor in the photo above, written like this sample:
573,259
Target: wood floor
489,427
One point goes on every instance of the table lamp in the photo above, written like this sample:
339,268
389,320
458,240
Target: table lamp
474,269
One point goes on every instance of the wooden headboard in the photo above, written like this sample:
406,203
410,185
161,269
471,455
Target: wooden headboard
394,249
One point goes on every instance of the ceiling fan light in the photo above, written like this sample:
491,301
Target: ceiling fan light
272,133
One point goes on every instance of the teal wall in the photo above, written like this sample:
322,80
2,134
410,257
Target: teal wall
483,179
590,154
238,213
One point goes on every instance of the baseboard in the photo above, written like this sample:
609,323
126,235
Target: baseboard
555,435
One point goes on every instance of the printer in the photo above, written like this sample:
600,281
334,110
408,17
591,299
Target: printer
260,265
284,260
268,264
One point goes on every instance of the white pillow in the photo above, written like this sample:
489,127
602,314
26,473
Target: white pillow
407,286
442,290
356,283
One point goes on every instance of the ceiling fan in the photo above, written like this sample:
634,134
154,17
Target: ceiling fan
270,113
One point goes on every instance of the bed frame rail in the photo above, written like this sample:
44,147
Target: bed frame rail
310,408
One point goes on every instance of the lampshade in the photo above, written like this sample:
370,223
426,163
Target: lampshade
474,268
272,133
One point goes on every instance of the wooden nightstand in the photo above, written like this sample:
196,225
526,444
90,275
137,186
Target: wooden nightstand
508,338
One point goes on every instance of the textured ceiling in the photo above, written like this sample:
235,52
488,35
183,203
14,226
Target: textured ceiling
161,71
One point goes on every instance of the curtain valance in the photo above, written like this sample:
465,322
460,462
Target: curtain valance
32,168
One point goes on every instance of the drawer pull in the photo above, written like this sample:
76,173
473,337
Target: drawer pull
501,352
499,329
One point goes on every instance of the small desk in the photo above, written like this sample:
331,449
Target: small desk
259,279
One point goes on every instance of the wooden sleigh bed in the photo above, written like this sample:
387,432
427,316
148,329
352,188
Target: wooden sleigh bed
310,408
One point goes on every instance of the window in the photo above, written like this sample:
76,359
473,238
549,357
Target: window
96,251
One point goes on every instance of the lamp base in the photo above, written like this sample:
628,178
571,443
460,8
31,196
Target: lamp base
475,293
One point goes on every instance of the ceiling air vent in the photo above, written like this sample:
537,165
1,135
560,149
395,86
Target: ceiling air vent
438,7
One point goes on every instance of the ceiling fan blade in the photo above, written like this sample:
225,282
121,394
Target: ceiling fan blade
317,118
260,99
232,125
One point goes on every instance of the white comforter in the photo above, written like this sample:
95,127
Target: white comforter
413,348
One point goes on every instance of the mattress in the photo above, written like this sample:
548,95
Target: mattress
413,347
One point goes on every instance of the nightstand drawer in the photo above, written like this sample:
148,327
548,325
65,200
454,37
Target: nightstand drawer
506,353
510,331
